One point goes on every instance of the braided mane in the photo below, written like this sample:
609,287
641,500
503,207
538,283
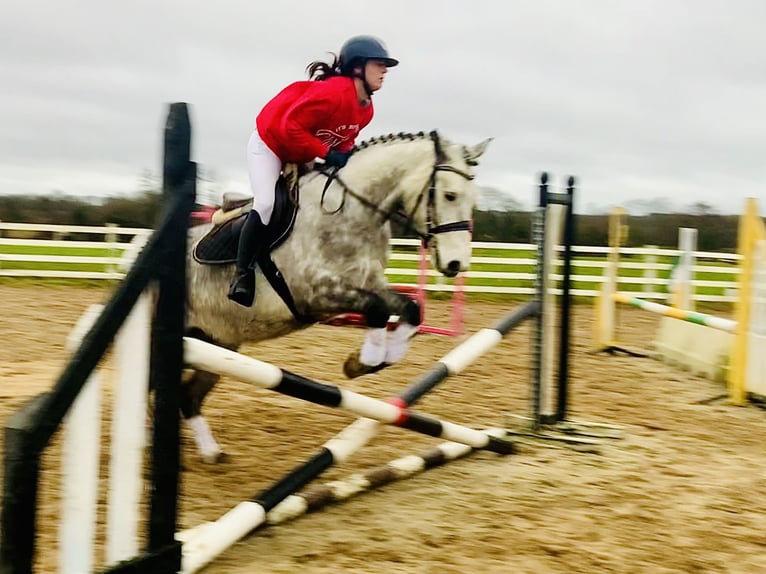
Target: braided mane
407,137
389,138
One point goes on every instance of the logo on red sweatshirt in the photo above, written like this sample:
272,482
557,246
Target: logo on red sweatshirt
333,138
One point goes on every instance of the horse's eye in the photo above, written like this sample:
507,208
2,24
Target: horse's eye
450,195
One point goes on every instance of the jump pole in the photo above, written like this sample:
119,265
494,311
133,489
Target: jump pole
80,464
317,497
214,359
711,321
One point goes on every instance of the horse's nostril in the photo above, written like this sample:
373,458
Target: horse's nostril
453,266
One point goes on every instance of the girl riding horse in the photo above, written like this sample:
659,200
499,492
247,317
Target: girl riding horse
306,120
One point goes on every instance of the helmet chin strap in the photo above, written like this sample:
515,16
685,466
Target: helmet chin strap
362,76
367,87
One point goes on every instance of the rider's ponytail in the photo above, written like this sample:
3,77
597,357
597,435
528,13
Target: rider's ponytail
319,70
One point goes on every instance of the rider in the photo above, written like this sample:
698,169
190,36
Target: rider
305,121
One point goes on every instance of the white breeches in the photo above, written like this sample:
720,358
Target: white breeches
264,168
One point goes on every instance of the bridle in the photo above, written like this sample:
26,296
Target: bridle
429,191
433,228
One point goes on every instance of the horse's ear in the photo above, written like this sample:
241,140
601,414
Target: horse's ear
472,153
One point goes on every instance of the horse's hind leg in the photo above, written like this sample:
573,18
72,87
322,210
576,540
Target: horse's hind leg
193,392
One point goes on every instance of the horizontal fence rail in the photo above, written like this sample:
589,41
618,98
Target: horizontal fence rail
68,251
85,252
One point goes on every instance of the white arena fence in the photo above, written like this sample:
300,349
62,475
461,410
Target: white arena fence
85,252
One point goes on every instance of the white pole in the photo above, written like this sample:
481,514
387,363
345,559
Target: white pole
683,290
128,433
80,465
650,271
755,365
553,227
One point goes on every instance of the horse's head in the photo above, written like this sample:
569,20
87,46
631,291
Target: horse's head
426,180
451,201
439,197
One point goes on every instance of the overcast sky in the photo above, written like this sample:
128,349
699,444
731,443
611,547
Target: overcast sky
640,99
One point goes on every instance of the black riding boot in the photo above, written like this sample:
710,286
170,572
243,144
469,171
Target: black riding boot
252,243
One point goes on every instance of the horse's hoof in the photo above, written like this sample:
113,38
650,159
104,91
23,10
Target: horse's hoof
215,457
353,367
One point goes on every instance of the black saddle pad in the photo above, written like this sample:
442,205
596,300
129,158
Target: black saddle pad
219,245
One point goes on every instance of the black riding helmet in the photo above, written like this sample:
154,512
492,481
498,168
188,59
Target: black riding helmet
357,50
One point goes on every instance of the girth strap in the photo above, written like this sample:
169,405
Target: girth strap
277,281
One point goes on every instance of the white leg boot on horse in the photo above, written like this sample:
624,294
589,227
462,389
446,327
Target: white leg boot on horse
197,384
370,358
382,347
397,342
373,350
209,449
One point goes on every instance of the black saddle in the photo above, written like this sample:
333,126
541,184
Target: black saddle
219,245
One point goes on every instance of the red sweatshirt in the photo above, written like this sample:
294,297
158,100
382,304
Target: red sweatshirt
307,118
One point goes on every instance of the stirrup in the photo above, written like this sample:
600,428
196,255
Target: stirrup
242,288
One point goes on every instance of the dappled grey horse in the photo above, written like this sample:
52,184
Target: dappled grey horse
333,261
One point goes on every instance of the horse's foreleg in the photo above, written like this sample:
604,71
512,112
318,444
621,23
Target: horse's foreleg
398,339
371,357
193,392
382,347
